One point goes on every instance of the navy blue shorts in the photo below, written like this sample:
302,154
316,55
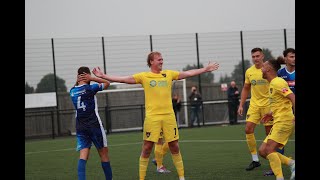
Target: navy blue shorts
86,137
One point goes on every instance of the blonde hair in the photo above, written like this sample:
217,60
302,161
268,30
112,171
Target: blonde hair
151,57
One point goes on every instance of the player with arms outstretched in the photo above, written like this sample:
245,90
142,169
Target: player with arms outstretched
158,103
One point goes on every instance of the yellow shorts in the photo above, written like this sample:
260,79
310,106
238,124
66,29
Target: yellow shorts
155,124
161,134
255,114
280,132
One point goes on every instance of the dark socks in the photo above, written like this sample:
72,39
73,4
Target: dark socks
107,170
82,169
281,151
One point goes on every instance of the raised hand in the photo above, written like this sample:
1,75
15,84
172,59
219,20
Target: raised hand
84,77
97,72
212,66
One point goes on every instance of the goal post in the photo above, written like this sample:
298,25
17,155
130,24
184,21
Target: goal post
123,90
180,87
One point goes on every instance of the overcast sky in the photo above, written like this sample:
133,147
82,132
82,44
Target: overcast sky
96,18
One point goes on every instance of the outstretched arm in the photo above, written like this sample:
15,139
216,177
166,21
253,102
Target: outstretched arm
123,79
193,72
100,80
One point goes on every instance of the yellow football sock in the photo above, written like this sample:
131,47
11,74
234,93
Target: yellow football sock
275,164
143,165
251,141
165,148
284,159
158,154
177,161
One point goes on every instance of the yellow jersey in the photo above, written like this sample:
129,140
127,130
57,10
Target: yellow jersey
281,106
157,91
259,87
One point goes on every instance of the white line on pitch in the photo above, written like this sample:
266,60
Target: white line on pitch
126,144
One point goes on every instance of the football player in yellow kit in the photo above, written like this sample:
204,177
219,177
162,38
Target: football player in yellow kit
158,106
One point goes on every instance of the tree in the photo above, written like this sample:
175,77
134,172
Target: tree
237,74
267,54
28,89
225,79
205,77
47,84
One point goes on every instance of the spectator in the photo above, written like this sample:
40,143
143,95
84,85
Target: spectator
196,101
176,104
233,103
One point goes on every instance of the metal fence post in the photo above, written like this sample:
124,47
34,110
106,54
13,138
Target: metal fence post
52,122
242,58
104,56
151,47
198,62
202,114
56,86
285,38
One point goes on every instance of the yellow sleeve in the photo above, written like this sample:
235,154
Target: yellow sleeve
175,75
246,78
138,77
282,87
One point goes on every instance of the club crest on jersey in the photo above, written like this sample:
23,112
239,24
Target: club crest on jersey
284,90
253,82
271,90
164,75
148,134
153,83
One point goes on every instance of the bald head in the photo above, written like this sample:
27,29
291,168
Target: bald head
233,83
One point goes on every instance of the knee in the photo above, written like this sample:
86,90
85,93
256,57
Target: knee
262,152
174,147
103,151
269,150
104,157
249,129
146,150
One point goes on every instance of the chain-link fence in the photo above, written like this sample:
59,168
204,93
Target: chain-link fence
51,66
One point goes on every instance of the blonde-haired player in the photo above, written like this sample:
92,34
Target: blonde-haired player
157,84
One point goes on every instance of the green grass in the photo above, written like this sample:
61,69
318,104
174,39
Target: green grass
214,152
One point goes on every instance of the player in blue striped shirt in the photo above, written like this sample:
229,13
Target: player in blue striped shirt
288,73
89,127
